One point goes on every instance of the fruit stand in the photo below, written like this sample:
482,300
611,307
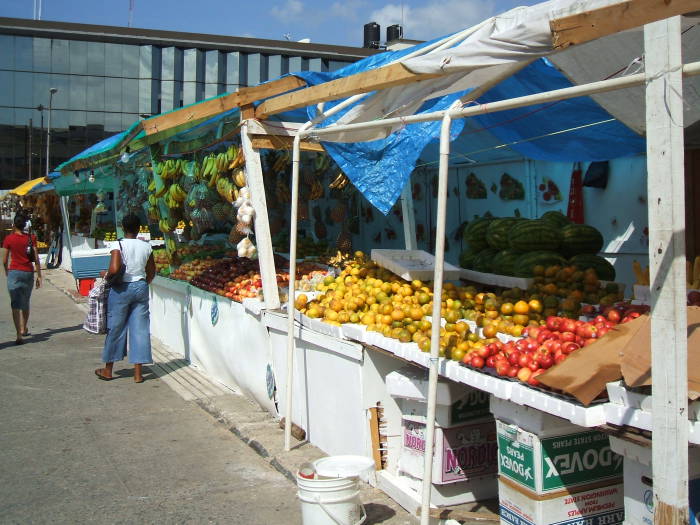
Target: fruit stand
535,295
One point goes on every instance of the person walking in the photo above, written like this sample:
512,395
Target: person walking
127,305
23,263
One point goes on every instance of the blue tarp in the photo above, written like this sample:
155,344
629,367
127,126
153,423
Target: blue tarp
380,169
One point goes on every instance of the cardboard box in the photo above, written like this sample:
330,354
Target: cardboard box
461,452
639,491
551,462
456,403
588,506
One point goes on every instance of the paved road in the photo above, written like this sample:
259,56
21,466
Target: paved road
74,449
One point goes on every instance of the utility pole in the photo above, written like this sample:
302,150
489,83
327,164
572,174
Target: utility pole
48,131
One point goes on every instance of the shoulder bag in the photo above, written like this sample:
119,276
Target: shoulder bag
30,248
118,277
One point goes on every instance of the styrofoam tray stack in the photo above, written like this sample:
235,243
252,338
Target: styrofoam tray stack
505,281
356,332
413,264
591,416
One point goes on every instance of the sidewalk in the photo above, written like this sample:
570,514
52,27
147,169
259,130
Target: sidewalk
254,426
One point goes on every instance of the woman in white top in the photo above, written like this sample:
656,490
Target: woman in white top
127,306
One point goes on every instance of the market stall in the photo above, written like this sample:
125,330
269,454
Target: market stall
512,319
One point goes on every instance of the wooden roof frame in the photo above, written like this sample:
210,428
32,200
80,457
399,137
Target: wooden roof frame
566,31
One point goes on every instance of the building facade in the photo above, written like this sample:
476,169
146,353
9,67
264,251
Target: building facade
109,77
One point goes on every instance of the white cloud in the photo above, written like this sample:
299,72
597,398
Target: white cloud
290,9
436,18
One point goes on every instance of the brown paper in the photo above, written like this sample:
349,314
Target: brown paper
636,358
585,372
625,352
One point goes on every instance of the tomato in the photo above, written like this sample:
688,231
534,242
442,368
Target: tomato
524,360
534,365
614,316
568,325
546,361
484,351
569,347
491,361
599,319
524,374
512,371
502,369
567,336
514,358
477,361
553,322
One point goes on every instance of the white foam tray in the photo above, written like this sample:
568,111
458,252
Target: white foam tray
413,264
505,281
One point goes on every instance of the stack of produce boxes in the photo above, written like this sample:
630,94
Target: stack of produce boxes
464,464
551,471
639,493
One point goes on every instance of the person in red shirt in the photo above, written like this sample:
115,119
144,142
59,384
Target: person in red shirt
20,274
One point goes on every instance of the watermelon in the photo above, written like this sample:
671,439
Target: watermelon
484,260
534,235
526,262
556,219
474,234
466,259
504,262
580,238
602,267
497,232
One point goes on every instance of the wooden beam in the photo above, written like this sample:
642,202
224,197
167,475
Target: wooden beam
210,108
249,95
191,114
283,142
380,78
587,26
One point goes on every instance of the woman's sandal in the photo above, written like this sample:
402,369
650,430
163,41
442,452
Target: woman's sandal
98,373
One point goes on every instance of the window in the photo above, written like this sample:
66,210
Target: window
23,53
60,62
130,61
7,56
78,56
41,50
95,93
113,60
96,58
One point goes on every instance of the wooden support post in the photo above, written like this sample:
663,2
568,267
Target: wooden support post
409,216
263,239
669,343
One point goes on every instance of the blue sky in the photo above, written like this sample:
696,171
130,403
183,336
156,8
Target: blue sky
336,22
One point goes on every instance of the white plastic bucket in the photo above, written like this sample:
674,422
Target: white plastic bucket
330,501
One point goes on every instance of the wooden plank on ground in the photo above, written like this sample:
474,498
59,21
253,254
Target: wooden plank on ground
596,23
380,78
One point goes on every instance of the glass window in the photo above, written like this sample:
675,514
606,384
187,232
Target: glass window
7,90
167,95
211,90
128,119
193,64
23,89
22,117
42,83
130,95
168,64
214,67
78,57
145,96
274,66
95,123
113,94
113,60
7,53
146,62
294,64
233,68
253,69
113,122
130,61
41,50
23,53
78,92
60,62
96,58
77,118
59,125
61,98
95,93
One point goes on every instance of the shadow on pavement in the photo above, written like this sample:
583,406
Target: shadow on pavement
146,372
43,336
378,513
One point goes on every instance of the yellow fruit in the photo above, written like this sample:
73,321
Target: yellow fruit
521,307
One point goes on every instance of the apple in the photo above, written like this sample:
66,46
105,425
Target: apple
553,323
546,361
491,361
599,319
502,369
614,316
477,361
569,347
559,358
567,336
524,360
484,351
534,365
512,371
568,325
533,377
603,331
514,358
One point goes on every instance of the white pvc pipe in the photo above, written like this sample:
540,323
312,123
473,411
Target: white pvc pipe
296,149
437,304
513,103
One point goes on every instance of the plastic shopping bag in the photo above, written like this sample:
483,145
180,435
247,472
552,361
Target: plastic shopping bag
96,319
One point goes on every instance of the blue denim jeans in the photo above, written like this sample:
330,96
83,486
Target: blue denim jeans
127,314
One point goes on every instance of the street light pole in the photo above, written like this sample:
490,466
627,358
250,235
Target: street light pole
48,131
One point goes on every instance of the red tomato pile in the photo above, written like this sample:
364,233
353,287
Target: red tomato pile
543,346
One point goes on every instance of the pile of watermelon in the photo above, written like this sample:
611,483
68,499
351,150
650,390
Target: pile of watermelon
514,246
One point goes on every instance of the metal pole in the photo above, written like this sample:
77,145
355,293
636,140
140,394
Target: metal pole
669,339
29,163
437,303
48,131
293,222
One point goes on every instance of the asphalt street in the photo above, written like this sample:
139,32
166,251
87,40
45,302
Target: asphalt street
74,449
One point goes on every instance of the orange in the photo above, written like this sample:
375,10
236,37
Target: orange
521,307
535,306
489,331
507,308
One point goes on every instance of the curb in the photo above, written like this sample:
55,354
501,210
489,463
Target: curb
253,443
74,296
